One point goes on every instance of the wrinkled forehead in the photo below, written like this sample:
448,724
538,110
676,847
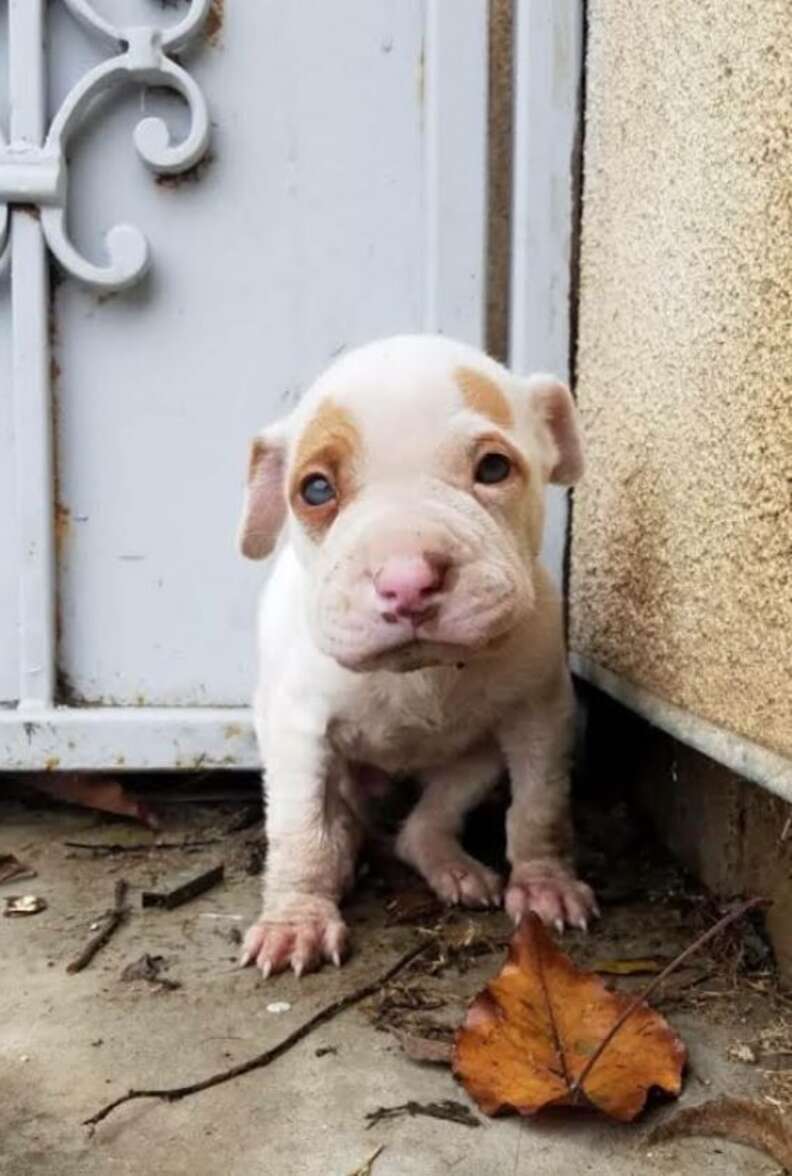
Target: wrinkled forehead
395,418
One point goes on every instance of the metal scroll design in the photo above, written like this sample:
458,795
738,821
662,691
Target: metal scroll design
37,175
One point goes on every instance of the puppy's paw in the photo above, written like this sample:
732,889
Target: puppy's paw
462,881
552,892
302,932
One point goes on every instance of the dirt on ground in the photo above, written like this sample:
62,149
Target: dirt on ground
163,1002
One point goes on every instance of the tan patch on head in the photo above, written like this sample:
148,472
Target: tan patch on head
482,395
330,445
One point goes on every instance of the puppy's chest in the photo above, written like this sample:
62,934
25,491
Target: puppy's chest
407,726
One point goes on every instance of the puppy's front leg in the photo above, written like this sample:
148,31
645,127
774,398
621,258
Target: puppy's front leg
429,840
312,841
539,838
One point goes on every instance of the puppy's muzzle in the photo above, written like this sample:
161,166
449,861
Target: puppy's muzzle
410,587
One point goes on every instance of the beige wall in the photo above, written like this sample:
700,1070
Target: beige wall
681,571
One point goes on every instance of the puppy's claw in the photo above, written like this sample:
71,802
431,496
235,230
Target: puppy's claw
553,893
515,905
300,936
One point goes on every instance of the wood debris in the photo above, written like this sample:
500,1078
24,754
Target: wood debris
150,969
109,923
183,889
448,1109
411,907
12,869
367,1166
435,1051
111,848
259,1061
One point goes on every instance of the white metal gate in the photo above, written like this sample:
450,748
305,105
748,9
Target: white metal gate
339,195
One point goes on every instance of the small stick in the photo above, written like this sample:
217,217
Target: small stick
367,1165
111,920
113,847
449,1109
168,899
174,1093
736,912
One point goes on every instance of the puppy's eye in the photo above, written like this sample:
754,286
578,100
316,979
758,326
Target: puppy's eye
316,490
492,468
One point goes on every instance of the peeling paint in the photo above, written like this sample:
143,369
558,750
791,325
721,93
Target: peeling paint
500,173
53,333
61,520
214,22
66,692
62,528
52,763
193,175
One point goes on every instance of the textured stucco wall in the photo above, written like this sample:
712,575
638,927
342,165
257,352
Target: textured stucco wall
681,568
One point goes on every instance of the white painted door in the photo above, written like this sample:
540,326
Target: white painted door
342,197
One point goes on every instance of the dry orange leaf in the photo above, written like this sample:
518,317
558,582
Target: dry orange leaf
96,792
529,1034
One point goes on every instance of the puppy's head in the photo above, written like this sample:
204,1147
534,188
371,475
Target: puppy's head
411,477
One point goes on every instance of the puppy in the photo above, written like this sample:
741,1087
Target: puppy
409,627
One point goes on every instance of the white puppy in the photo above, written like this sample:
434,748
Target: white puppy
409,627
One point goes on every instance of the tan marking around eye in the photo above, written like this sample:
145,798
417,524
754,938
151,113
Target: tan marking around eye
482,395
330,445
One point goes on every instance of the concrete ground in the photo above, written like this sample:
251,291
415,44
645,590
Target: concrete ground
69,1043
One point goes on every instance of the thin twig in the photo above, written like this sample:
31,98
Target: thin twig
735,913
449,1109
367,1165
174,1093
113,847
110,921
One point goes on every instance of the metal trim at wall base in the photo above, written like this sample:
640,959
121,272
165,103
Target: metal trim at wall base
749,760
71,739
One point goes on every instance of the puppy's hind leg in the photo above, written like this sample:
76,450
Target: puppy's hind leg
429,839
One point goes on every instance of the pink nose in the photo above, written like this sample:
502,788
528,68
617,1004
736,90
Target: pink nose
406,583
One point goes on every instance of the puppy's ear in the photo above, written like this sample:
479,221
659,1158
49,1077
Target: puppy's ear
264,507
557,419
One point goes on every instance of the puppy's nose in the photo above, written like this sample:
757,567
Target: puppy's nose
407,583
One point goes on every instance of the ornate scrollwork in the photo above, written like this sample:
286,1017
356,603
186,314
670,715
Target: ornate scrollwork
38,175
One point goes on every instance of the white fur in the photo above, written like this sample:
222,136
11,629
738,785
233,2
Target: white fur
480,686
